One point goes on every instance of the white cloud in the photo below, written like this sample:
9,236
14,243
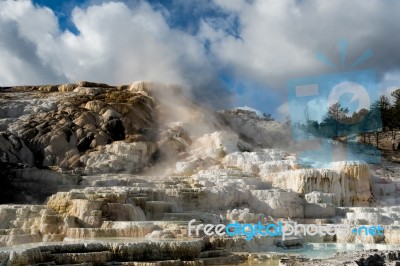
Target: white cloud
389,83
115,44
118,43
279,39
24,32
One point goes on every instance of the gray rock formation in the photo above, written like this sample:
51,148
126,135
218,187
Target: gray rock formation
259,131
122,169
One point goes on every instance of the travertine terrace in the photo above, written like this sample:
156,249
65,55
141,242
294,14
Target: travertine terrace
107,175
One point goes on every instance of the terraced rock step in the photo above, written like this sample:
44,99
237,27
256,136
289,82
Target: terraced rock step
99,253
158,263
123,162
77,258
183,216
367,258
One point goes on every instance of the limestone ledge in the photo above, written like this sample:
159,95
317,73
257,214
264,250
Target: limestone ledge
348,181
103,252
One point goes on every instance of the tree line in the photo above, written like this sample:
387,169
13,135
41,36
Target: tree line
382,116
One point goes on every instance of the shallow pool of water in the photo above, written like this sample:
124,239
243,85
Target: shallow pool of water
328,250
314,251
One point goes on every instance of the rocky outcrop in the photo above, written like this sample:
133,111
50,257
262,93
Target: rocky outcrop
262,162
215,145
365,257
90,207
173,142
132,164
119,157
349,182
277,203
58,130
13,150
17,106
259,131
100,253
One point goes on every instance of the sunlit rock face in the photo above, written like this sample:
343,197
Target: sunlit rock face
118,157
67,125
277,203
261,162
91,206
215,145
320,197
244,216
23,106
141,160
20,224
357,182
349,182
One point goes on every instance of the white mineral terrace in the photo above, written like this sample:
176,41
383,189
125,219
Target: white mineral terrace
111,180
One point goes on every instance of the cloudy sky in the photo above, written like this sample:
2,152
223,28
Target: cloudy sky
229,52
